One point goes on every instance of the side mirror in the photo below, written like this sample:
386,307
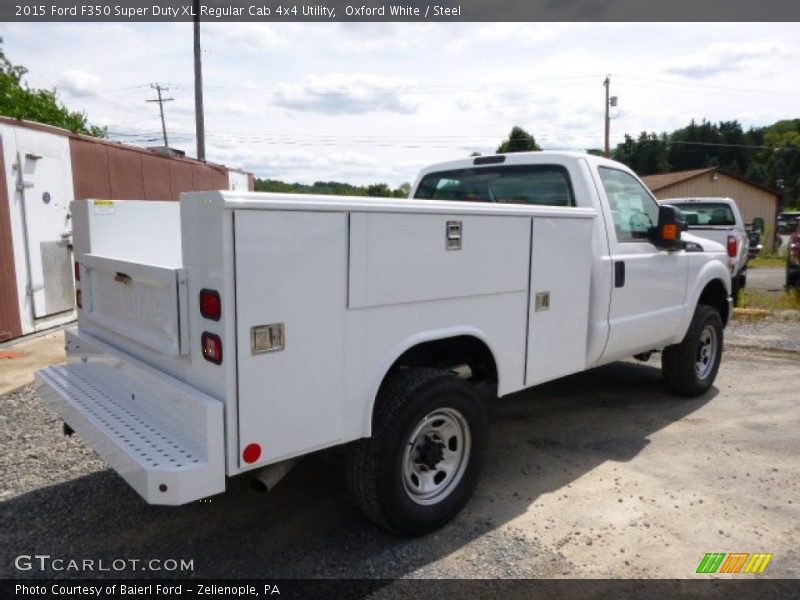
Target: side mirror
670,225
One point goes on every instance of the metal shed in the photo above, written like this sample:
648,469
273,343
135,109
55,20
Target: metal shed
44,168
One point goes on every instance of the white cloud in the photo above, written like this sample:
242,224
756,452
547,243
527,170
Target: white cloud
352,159
348,94
720,58
254,37
79,83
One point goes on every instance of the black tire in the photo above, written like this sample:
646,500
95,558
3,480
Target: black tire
737,285
376,465
792,277
682,365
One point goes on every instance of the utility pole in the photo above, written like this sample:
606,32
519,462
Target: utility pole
610,101
157,87
607,150
200,127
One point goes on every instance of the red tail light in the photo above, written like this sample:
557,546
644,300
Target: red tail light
78,298
212,348
77,271
210,304
733,246
251,453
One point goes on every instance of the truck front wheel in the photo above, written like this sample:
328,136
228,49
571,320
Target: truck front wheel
421,465
689,368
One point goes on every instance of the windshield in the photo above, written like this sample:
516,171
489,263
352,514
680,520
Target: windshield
705,214
547,185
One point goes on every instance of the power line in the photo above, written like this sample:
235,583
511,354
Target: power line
109,92
693,85
388,88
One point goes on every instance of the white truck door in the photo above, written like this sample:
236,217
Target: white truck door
649,288
291,294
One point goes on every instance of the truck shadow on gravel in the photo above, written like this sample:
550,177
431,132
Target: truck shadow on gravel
543,439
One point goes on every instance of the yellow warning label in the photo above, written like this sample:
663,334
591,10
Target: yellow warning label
104,207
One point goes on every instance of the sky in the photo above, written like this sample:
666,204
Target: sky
375,102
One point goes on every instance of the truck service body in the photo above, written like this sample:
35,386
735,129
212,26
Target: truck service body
234,332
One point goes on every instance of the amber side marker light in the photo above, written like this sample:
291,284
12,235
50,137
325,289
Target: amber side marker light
670,232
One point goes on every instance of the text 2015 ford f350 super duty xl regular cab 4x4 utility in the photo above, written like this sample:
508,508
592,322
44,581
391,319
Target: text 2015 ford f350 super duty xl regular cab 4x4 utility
234,332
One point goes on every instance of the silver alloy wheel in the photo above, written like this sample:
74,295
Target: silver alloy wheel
706,352
436,456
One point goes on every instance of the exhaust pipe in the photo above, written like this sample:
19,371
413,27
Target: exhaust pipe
264,480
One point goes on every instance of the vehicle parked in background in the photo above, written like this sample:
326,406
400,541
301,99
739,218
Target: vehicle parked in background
719,220
788,224
754,246
793,257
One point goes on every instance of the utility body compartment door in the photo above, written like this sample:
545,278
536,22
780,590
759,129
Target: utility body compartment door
558,313
142,302
291,272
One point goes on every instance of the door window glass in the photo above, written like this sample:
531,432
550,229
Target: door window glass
634,210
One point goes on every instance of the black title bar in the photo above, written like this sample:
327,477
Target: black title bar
400,11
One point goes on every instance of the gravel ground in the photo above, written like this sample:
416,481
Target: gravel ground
779,331
601,474
766,279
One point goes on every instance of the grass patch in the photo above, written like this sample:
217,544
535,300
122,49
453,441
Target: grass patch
780,301
766,260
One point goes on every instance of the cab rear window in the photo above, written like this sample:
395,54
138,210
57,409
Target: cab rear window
544,185
706,214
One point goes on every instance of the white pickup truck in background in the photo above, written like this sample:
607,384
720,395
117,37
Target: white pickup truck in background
719,220
233,332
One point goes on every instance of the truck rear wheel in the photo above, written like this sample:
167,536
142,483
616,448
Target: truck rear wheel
689,368
421,465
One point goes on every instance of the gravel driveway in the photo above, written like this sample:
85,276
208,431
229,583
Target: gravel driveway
766,279
600,474
779,331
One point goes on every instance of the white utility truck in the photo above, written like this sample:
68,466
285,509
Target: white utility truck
234,332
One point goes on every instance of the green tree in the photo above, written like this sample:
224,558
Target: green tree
518,140
334,188
380,190
767,155
402,191
20,101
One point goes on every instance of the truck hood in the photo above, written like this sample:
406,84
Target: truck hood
707,244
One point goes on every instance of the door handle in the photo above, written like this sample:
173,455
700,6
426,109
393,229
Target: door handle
619,273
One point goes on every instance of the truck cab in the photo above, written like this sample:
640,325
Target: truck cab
640,282
233,333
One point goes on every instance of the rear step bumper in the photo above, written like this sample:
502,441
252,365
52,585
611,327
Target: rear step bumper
162,436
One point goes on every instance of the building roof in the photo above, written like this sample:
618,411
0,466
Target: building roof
664,180
71,134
